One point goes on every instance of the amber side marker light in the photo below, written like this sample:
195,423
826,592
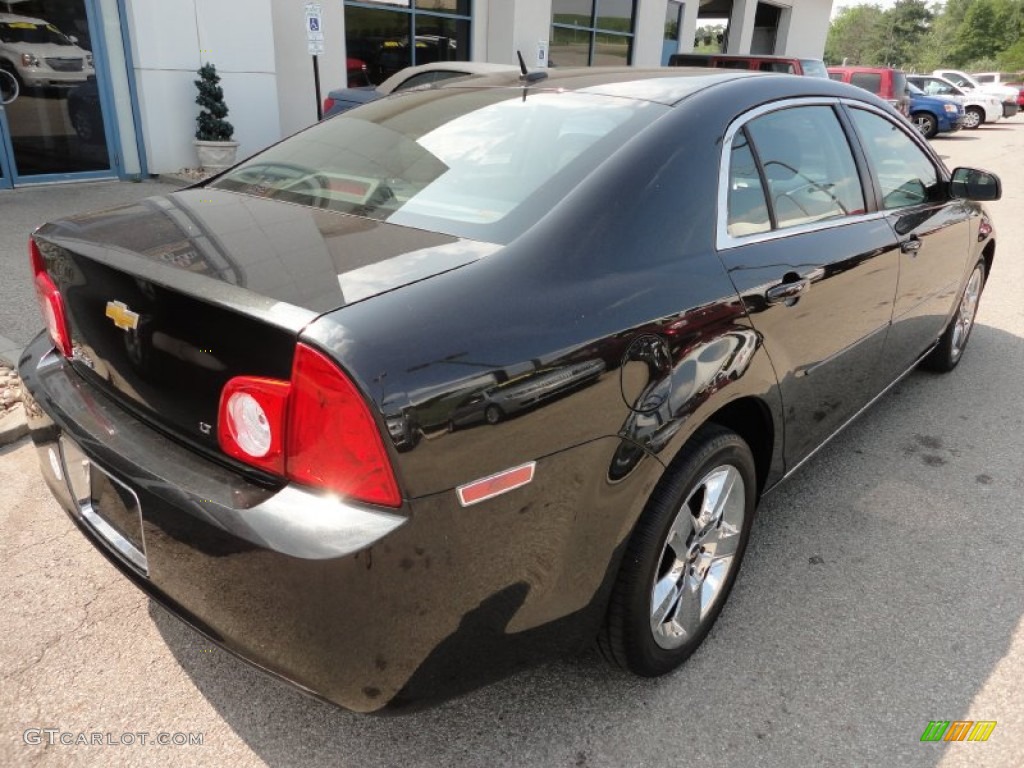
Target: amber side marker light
495,485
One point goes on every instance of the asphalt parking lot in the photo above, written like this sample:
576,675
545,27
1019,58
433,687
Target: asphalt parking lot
882,590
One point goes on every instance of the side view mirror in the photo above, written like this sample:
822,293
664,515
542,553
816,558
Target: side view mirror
73,39
974,184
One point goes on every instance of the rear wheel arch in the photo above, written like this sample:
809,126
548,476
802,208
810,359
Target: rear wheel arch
750,418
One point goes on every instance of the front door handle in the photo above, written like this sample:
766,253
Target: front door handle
911,245
787,292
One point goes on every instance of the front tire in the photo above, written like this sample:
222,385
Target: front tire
682,559
973,118
950,349
925,123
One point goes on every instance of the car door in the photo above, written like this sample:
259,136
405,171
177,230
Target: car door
815,265
933,232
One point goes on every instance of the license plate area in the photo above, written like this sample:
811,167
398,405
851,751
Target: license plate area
108,506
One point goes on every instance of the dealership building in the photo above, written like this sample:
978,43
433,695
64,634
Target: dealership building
105,87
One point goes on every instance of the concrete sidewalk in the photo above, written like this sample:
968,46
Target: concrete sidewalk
24,209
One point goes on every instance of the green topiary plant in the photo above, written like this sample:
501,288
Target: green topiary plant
210,124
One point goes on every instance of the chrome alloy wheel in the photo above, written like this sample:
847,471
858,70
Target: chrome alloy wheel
964,320
971,119
698,556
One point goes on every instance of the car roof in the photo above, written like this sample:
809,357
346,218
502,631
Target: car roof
469,67
662,85
863,69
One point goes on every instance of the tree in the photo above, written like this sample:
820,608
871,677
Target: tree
906,24
856,36
210,124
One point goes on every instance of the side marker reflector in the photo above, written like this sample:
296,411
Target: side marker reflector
495,485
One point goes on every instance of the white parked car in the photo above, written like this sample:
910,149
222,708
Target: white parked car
39,54
979,107
1005,93
999,78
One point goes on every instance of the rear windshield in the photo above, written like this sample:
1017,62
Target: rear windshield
813,67
31,32
478,163
869,81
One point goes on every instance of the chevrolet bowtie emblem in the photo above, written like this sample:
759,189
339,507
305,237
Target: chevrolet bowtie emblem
123,317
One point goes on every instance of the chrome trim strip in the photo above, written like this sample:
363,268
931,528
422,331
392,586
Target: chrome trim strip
723,240
110,535
104,530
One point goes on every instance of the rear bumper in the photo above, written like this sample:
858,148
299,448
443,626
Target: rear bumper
1010,108
363,607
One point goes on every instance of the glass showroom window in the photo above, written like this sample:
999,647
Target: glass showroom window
389,35
592,32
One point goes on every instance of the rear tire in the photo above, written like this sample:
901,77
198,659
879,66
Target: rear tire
682,559
925,123
945,357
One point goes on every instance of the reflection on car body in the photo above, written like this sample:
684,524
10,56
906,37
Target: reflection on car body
524,391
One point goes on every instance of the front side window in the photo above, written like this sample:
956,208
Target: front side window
905,173
592,32
807,165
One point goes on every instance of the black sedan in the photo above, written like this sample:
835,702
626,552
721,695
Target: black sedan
265,398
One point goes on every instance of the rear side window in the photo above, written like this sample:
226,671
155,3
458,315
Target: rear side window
906,174
807,165
835,76
732,64
777,66
869,81
748,209
814,68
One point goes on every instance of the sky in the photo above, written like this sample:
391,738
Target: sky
839,4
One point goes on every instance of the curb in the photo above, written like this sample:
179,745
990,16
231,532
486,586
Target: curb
13,426
10,351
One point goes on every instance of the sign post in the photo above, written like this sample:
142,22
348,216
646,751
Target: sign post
315,46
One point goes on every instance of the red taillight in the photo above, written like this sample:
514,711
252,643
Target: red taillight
315,429
51,304
328,104
252,421
333,441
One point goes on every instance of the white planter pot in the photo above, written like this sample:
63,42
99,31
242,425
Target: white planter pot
216,155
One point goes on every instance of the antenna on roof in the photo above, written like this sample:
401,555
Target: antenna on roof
528,76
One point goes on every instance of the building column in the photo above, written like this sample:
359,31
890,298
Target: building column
511,27
649,32
688,29
741,26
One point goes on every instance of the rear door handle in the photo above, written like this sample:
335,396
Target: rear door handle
787,292
911,245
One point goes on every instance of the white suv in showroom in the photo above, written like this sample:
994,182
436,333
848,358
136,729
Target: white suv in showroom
38,54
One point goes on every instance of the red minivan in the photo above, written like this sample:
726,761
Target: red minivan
886,82
786,64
